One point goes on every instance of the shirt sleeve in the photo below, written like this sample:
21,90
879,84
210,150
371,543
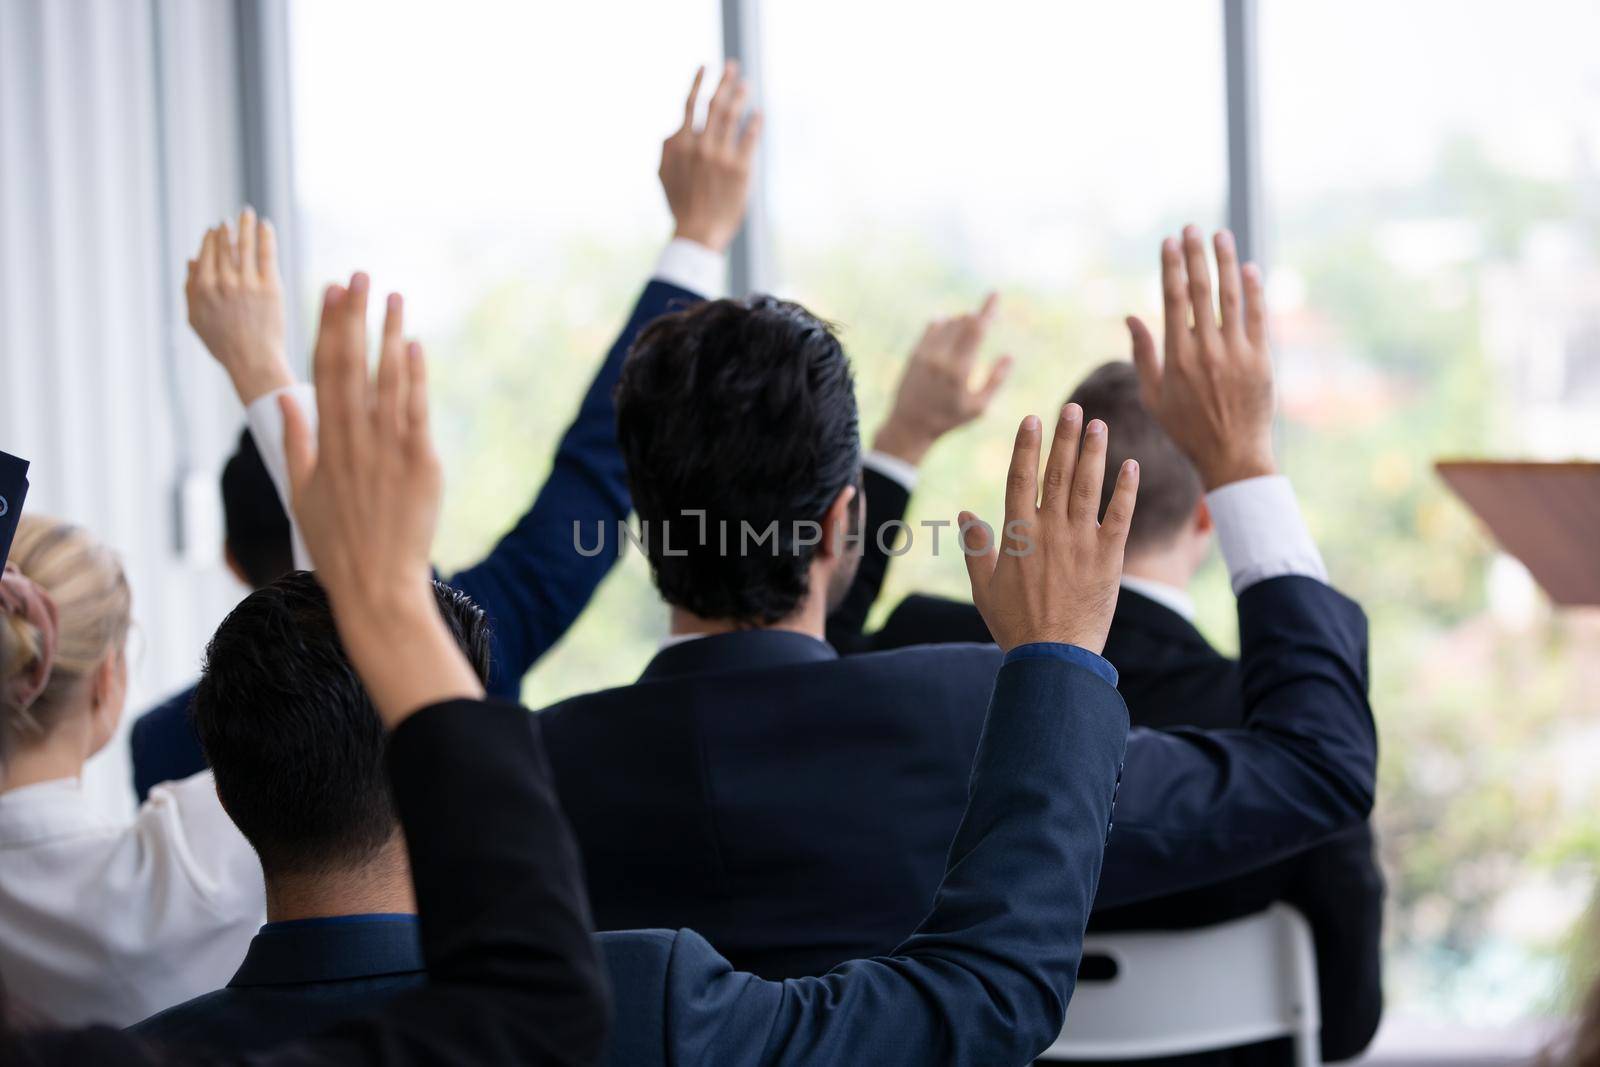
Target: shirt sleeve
1261,533
893,468
265,420
1071,653
691,265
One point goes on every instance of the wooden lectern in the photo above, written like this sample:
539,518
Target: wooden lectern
1545,514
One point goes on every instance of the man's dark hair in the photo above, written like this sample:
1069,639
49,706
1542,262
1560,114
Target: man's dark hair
1169,486
291,735
256,524
746,410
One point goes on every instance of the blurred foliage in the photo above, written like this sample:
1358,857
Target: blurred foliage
1487,804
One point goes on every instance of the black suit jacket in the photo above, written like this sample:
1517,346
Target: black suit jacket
514,976
1171,677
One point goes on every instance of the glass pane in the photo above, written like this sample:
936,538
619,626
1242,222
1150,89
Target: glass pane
480,159
1433,216
922,153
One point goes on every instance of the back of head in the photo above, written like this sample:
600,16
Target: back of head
256,524
1169,485
746,411
93,607
291,735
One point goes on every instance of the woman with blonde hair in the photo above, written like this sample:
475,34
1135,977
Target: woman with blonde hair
99,919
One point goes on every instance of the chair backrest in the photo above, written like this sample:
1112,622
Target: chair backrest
1172,992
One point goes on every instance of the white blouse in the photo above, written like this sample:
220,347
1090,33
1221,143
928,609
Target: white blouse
108,922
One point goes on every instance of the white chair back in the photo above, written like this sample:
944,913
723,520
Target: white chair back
1168,993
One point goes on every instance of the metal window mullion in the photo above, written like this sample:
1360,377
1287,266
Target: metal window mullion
1240,19
266,135
749,260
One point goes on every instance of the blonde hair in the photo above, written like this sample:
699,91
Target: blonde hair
86,581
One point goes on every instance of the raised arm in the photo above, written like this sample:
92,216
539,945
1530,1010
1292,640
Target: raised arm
1200,806
512,977
234,293
987,976
936,395
535,582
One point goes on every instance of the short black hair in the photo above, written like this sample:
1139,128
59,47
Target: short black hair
257,526
1169,485
291,735
746,410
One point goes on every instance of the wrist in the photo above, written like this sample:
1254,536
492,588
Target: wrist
406,656
382,610
902,442
1225,470
707,236
259,375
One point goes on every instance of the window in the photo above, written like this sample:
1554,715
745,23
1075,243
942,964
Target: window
480,159
1430,173
921,154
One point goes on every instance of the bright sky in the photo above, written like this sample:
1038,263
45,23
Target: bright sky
1015,124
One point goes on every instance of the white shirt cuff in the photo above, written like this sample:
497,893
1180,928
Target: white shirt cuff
265,420
1261,533
691,265
891,467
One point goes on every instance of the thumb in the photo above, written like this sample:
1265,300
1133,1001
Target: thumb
977,548
297,446
1145,360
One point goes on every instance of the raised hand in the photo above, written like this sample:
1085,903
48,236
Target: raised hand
705,170
235,299
936,394
1213,390
1056,577
367,499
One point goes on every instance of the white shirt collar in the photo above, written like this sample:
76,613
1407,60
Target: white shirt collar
1168,596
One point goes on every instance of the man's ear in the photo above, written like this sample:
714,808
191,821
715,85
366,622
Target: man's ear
837,522
1202,517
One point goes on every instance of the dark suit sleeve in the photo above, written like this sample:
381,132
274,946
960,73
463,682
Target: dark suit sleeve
1200,806
887,501
164,746
534,583
514,974
987,976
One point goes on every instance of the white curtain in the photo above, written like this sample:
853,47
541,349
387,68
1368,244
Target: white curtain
120,141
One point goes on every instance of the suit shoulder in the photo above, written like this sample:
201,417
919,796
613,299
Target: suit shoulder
650,954
185,1020
941,659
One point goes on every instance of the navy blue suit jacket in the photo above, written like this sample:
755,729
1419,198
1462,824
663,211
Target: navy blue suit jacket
986,976
532,585
796,808
298,978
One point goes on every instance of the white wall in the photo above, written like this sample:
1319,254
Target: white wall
107,178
